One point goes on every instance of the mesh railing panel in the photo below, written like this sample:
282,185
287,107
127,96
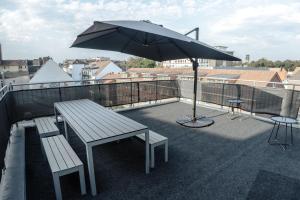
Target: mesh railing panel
33,103
6,111
261,100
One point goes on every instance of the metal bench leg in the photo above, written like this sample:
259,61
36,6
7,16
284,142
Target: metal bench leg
286,130
166,152
57,186
152,156
271,133
82,180
276,135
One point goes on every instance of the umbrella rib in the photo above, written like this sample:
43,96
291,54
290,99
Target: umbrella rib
106,34
154,41
128,36
159,52
84,34
182,50
128,42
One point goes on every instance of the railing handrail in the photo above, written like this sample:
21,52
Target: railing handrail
78,81
3,88
3,91
227,79
179,77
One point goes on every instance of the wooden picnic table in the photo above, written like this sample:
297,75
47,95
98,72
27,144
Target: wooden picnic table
96,125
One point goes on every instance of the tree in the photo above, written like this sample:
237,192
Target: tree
289,65
136,62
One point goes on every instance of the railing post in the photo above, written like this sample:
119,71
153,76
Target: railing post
223,87
131,93
292,99
156,83
178,87
59,91
138,86
99,90
10,88
252,100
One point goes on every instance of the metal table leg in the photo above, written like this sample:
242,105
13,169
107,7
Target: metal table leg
55,113
292,139
66,130
90,160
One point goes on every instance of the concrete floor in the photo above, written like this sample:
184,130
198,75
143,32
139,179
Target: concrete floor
229,160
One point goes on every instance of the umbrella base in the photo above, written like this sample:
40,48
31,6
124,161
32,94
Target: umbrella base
199,122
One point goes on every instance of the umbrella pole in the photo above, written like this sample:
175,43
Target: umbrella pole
195,121
195,68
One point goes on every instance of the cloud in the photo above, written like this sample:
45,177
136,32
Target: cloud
259,15
55,23
48,27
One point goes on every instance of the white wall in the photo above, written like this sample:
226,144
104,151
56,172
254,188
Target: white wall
76,70
110,68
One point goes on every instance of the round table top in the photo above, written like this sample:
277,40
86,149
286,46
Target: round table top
235,101
287,120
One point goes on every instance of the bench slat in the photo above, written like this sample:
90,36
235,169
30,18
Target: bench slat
60,154
63,152
51,159
60,161
70,151
153,137
45,125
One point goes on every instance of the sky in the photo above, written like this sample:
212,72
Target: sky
262,28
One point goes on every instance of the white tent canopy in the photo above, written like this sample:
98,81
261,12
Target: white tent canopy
50,72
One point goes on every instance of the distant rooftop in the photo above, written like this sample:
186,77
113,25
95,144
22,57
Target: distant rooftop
224,76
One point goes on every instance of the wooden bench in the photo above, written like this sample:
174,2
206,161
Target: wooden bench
155,140
62,160
46,127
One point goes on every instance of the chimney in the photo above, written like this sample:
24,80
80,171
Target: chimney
0,54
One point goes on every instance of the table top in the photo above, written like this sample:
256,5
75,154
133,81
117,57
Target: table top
235,101
287,120
93,122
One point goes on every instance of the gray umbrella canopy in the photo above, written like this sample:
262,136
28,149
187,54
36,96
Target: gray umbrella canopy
147,40
152,41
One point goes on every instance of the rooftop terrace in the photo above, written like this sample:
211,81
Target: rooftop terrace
228,160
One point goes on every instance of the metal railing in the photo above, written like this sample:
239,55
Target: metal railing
37,102
42,85
3,91
26,101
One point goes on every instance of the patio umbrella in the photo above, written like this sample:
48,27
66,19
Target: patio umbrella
155,42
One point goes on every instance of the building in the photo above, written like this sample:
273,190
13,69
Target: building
90,69
203,63
281,72
19,71
245,76
247,58
14,66
0,54
49,75
97,70
293,80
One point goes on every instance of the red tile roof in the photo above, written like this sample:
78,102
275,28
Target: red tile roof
252,75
